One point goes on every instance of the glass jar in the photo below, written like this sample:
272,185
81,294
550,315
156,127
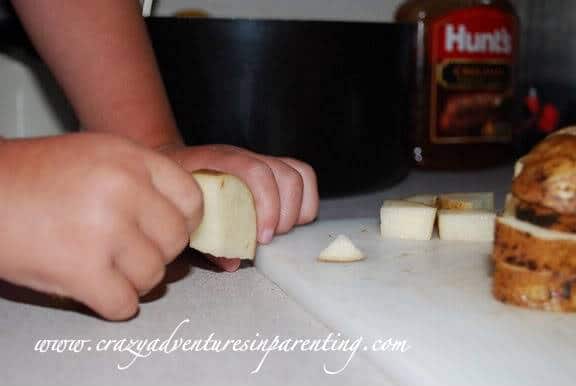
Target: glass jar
464,99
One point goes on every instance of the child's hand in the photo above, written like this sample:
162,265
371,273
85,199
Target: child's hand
92,217
285,190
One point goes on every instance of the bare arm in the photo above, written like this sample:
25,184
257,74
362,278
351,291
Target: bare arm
100,53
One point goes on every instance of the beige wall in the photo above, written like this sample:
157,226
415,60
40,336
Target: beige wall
373,10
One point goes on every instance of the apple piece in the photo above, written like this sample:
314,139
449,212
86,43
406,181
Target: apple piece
426,199
228,228
407,220
466,225
341,250
479,201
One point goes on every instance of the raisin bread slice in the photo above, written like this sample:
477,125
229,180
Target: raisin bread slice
539,215
550,183
534,248
542,290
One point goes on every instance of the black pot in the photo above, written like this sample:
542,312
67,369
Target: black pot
334,94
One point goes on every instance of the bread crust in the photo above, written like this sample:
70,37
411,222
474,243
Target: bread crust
550,182
534,251
559,145
542,290
525,250
570,130
541,216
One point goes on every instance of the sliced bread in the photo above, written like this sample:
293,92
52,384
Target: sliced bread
543,290
539,215
532,247
550,183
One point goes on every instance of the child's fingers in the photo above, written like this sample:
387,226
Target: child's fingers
141,262
310,197
298,189
228,265
107,292
290,187
263,185
163,223
178,186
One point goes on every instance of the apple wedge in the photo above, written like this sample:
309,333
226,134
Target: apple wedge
228,228
341,250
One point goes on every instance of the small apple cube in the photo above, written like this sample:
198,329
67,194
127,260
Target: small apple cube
400,219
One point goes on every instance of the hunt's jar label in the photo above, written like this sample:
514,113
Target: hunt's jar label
473,57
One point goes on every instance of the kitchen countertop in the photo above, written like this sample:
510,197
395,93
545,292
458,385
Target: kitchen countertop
203,302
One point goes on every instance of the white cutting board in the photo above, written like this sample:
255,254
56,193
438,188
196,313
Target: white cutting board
436,295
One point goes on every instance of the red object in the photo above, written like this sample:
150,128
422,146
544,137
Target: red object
472,49
533,103
549,118
484,33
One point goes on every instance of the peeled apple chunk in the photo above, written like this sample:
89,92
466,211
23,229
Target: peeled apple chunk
341,250
426,199
466,225
481,201
228,228
407,220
